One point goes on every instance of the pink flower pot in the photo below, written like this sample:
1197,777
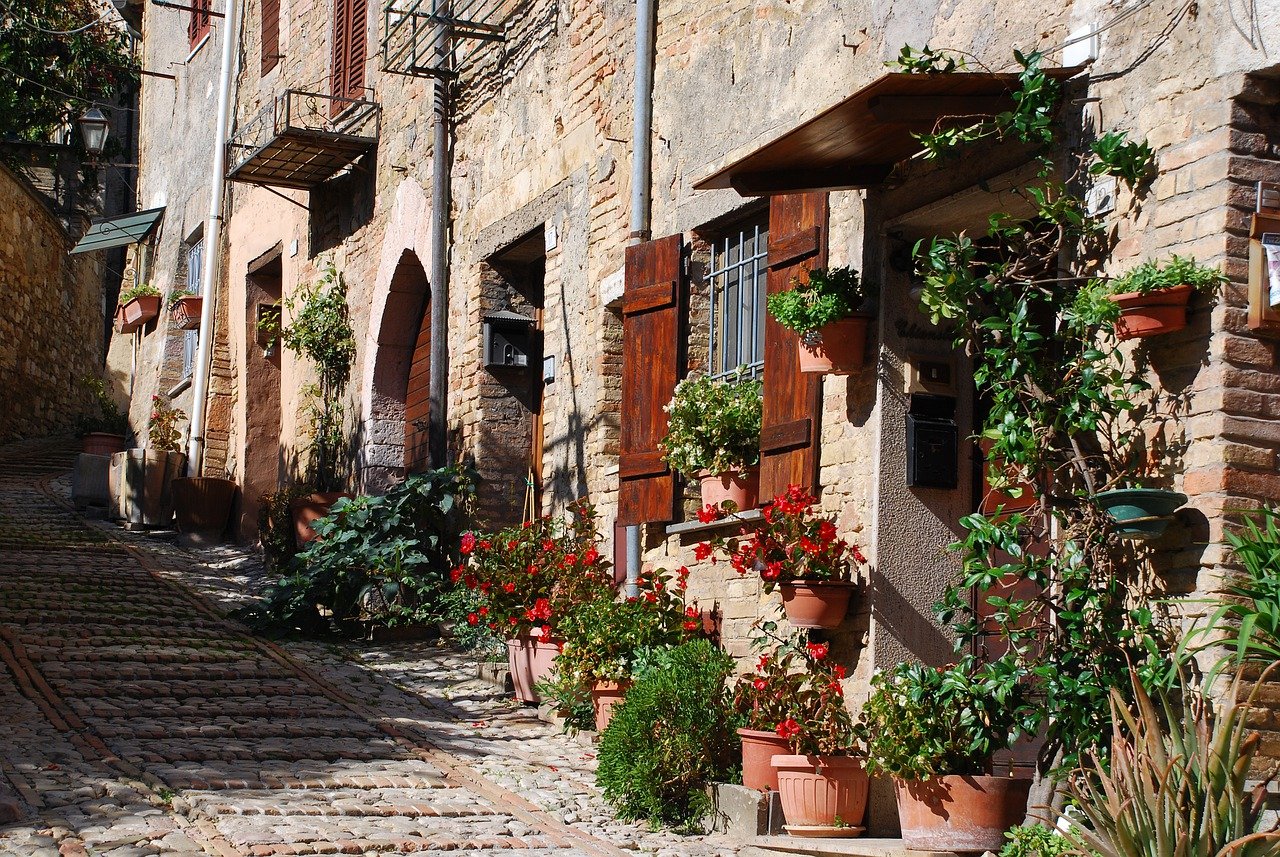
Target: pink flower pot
758,749
960,813
842,348
1161,311
530,660
139,311
815,603
718,487
822,795
605,696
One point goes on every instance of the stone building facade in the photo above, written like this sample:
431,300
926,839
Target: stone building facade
539,228
51,318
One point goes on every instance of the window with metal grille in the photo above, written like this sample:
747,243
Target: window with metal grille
736,277
195,259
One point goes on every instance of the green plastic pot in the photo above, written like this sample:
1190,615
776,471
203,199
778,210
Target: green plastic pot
1140,513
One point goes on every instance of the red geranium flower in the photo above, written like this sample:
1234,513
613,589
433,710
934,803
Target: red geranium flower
468,543
702,551
789,728
708,514
817,651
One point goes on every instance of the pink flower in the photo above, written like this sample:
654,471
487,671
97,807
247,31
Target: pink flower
468,543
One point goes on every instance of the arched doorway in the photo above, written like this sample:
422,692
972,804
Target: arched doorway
398,407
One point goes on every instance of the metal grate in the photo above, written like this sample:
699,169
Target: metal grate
302,138
737,278
441,38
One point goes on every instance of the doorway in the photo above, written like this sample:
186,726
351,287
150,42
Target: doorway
264,464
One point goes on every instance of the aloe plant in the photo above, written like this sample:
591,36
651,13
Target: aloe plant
1175,785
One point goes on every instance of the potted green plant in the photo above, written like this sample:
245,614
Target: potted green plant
799,737
713,434
934,731
530,578
184,308
103,430
1152,298
139,305
826,312
604,640
798,551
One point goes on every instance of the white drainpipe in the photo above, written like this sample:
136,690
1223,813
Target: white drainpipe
211,238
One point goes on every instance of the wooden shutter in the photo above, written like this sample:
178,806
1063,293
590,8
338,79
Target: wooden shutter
341,51
270,34
791,428
653,302
198,23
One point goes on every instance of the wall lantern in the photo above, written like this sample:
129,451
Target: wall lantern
94,126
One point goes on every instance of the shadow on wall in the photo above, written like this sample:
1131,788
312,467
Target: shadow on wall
915,631
343,205
530,26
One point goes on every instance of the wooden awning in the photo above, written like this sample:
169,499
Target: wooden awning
856,143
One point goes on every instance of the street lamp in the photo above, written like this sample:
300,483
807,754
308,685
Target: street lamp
93,126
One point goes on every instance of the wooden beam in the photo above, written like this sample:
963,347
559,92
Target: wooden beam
812,179
926,110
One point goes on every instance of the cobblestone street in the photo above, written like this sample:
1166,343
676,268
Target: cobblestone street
142,721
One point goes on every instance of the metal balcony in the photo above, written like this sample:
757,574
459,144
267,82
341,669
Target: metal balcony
301,139
441,38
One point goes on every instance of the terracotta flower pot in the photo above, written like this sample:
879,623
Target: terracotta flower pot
960,813
202,506
121,325
758,749
815,603
1161,311
718,487
841,349
102,443
141,310
185,312
530,659
310,508
605,696
821,795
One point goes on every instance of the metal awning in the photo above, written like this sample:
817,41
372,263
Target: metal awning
856,143
119,231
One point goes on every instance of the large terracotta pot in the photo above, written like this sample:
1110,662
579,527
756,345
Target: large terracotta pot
605,696
960,813
530,659
202,507
102,443
185,312
310,508
758,749
139,311
841,349
1161,311
140,482
814,603
821,795
718,487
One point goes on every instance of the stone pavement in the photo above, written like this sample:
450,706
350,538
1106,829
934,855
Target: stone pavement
141,721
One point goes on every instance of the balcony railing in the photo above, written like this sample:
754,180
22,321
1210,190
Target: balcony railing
441,38
301,139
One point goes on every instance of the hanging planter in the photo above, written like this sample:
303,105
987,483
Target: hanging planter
824,311
816,603
960,812
838,348
1140,513
1152,313
185,311
139,310
821,795
742,489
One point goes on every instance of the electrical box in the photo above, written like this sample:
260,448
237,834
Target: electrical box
508,341
933,442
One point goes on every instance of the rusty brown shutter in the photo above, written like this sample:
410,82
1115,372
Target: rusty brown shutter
198,23
341,51
270,34
791,427
357,47
653,301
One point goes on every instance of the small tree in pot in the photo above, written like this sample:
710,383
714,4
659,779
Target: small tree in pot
713,434
826,312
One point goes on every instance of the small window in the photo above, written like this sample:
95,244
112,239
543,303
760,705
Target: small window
270,35
191,338
737,278
198,23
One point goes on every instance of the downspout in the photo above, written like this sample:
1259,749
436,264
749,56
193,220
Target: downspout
212,245
641,189
438,378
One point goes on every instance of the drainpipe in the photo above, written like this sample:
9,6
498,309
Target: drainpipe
212,245
641,188
438,379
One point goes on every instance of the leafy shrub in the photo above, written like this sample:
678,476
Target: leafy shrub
105,415
381,559
922,722
275,525
1035,840
828,296
162,426
670,737
1151,276
713,425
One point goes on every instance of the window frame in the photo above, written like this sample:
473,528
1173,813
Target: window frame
191,338
726,273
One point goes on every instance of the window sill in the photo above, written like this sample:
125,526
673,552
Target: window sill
179,387
747,518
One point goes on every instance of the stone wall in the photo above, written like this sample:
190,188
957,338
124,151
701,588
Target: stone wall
51,317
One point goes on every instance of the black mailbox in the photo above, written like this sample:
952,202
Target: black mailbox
508,341
932,442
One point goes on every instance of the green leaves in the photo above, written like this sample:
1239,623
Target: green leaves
320,329
827,296
713,425
1119,156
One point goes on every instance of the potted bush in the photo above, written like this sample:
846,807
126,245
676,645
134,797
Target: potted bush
530,578
184,309
138,306
934,731
604,641
796,550
1152,298
799,739
105,428
713,434
826,313
141,479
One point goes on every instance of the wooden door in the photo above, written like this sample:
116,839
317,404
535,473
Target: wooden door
417,402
